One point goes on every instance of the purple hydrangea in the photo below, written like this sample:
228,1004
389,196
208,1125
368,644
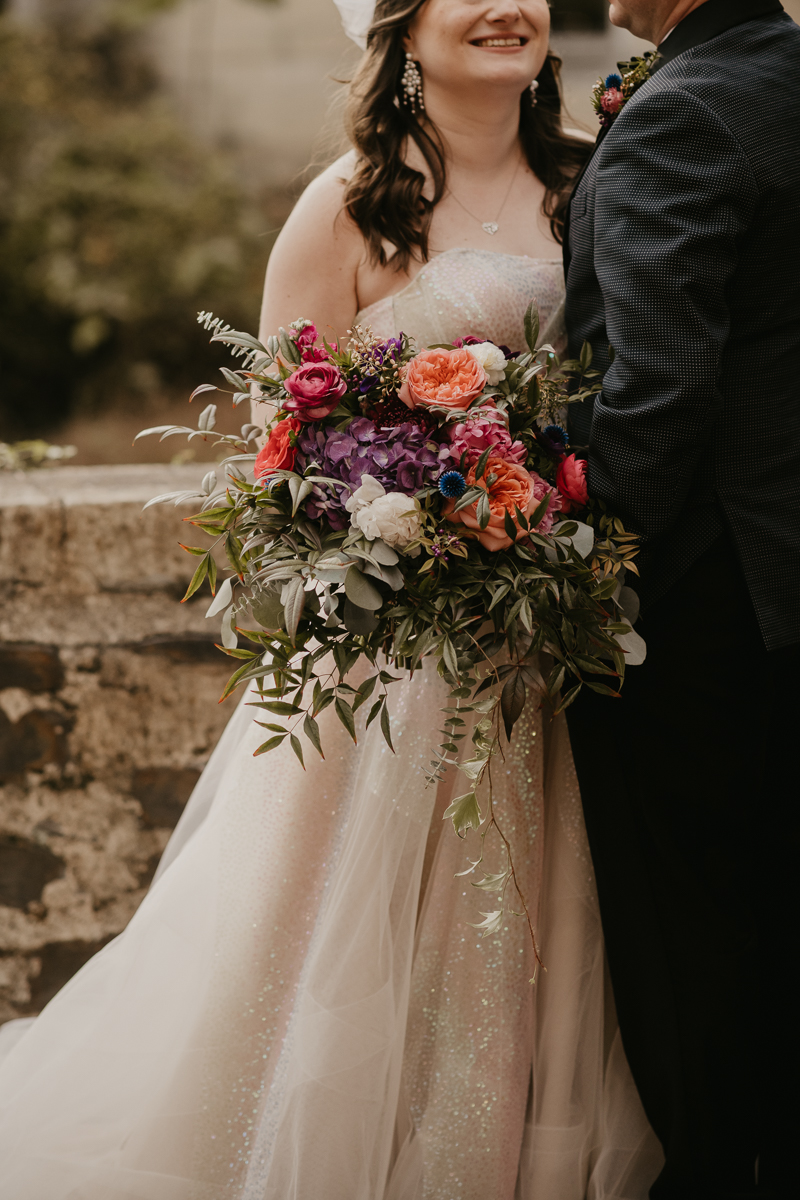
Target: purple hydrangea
404,459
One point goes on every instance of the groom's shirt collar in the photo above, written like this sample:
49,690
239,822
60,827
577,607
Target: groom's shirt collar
709,21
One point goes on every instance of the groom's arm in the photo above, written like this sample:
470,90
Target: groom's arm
675,193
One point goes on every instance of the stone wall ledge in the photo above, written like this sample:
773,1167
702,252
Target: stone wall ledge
108,707
83,529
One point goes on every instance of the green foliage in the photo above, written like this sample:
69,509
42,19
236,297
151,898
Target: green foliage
113,227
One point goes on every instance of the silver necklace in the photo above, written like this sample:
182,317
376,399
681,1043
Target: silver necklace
490,227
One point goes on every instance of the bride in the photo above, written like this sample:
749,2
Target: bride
301,1007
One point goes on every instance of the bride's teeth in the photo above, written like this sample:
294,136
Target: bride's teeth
500,42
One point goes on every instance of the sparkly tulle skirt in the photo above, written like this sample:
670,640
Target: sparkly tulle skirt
302,1007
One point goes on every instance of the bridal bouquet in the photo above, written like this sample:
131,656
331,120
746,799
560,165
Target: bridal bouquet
410,503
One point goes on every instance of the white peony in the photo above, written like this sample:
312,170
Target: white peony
491,358
371,488
380,514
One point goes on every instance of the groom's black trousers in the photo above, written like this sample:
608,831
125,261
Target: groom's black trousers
690,791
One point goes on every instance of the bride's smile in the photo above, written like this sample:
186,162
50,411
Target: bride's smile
479,51
496,43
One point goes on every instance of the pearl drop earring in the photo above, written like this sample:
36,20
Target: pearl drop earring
534,86
411,85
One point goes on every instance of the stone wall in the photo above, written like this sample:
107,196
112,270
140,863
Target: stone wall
108,709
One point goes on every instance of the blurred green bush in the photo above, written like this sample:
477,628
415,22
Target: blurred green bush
114,230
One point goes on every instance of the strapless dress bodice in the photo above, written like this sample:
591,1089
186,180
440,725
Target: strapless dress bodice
465,291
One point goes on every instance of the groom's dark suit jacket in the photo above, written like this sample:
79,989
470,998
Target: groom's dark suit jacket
683,252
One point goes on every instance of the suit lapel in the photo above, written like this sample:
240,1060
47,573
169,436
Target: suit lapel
708,21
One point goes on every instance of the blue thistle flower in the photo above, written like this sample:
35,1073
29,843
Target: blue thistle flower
452,485
556,434
613,81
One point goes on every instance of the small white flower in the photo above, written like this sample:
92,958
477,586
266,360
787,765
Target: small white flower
491,358
392,516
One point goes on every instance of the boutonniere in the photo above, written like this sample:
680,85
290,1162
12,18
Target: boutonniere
610,95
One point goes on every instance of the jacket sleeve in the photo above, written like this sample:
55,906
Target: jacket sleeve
675,194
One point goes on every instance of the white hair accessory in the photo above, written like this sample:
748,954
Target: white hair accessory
357,16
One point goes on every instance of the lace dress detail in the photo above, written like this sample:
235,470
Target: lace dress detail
292,1015
477,292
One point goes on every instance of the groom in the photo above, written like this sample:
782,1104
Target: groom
683,253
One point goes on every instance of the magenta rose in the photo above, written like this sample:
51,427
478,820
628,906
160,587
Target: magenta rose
315,390
571,483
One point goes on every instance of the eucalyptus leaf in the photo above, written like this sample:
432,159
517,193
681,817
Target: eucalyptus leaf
360,591
628,600
633,646
266,607
357,620
384,553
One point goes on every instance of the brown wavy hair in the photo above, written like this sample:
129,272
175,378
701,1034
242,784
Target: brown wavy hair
384,196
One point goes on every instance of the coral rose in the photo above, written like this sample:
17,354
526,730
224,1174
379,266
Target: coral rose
509,486
278,452
571,482
447,378
315,390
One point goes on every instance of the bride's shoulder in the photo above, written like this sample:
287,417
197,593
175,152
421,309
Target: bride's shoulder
320,209
319,233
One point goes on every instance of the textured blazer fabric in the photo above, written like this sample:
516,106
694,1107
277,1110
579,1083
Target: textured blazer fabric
685,256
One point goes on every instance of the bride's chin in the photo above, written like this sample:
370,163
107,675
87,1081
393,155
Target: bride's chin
489,85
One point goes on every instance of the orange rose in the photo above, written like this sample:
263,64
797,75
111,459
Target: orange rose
509,486
448,378
278,452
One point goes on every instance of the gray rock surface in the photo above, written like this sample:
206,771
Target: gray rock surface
108,708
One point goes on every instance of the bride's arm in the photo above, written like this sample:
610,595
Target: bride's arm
314,264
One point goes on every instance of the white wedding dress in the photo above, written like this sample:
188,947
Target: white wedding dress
301,1008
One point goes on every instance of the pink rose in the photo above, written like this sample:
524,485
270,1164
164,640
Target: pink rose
477,434
305,334
612,101
571,482
312,354
279,451
447,378
304,339
510,487
315,390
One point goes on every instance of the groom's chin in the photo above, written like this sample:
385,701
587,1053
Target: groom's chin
628,16
618,16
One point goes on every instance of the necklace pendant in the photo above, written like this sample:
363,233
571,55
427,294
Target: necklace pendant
489,227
